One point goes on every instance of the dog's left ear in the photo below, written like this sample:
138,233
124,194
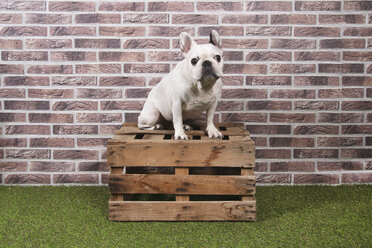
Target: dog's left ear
186,42
214,38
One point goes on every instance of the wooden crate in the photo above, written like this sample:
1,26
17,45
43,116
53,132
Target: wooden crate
202,179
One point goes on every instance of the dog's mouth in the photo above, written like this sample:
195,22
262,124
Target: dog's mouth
209,75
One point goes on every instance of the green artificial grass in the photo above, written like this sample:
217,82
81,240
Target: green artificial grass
298,216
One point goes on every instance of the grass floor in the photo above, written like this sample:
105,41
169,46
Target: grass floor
306,216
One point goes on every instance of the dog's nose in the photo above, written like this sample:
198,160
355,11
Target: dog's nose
207,63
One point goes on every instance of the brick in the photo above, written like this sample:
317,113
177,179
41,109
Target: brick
316,179
12,93
269,56
337,142
316,31
358,5
244,93
13,166
304,94
293,44
357,56
73,56
137,93
75,154
356,153
121,105
169,31
50,118
341,43
26,81
10,18
315,153
49,69
171,6
48,18
27,129
146,44
27,179
292,118
50,93
244,69
317,56
291,142
292,68
315,130
316,81
292,166
72,31
98,18
75,129
122,81
269,105
194,19
357,129
92,142
230,106
51,142
52,166
16,31
357,178
244,19
11,69
122,56
358,31
75,178
97,68
346,19
110,129
369,69
356,105
10,44
318,6
245,43
219,6
23,5
74,81
316,105
369,92
341,68
24,56
71,6
146,18
97,43
341,117
293,19
171,56
273,154
368,141
74,105
121,6
244,117
48,43
341,93
232,80
123,31
268,6
12,142
28,153
268,80
12,117
273,178
269,129
146,68
93,166
26,105
98,93
339,166
222,30
98,117
268,31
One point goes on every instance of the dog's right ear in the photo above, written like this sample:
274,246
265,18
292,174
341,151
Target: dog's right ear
186,42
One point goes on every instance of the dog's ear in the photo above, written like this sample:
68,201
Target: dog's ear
186,42
214,38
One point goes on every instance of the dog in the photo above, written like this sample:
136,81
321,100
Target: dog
192,87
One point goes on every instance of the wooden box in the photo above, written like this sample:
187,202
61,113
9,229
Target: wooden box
200,179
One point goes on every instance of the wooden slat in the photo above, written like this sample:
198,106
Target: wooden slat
182,211
178,154
118,196
180,174
182,184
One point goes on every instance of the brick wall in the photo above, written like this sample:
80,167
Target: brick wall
297,73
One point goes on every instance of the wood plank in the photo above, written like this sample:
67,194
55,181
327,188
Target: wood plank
182,184
180,173
116,196
182,211
178,154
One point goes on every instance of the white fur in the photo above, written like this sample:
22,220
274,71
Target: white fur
188,89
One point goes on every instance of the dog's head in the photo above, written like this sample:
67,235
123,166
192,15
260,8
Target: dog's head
204,62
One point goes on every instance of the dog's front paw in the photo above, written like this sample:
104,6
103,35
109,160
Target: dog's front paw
181,136
214,133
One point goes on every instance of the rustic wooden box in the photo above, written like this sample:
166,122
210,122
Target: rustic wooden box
202,179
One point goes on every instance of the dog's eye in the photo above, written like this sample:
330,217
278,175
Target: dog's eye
194,61
218,58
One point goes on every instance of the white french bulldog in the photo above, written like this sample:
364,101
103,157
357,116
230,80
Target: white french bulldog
192,87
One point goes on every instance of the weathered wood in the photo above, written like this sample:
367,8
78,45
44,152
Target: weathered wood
182,211
180,173
182,184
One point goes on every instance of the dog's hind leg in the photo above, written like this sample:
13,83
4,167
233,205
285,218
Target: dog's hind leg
149,117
